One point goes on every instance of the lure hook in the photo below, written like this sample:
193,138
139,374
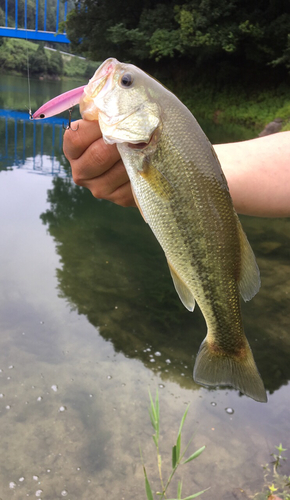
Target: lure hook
69,122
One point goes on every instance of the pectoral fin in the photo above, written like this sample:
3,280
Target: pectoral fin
249,281
182,289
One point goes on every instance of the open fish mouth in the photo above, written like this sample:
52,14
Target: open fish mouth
98,86
100,79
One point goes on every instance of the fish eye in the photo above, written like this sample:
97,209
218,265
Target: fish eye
127,80
42,115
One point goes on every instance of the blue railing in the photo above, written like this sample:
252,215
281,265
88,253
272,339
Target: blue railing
35,33
14,151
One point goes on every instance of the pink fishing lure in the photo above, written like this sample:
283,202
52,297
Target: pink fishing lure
59,103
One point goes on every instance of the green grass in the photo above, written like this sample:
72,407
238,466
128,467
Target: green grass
250,107
177,456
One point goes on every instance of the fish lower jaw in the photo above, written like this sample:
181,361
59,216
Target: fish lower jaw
138,145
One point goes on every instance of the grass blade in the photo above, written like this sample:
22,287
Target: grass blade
154,413
155,440
194,455
183,420
195,495
178,444
147,486
179,489
174,457
191,496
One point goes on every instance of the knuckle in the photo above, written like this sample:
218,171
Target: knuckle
77,178
72,143
98,193
97,153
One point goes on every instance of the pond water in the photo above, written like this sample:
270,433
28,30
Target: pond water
90,321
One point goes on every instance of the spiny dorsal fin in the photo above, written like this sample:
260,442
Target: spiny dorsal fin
249,281
182,289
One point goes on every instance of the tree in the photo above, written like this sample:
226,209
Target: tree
55,64
200,30
38,61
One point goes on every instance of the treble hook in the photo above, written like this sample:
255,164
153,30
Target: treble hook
69,122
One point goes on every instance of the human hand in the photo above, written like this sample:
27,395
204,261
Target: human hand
97,165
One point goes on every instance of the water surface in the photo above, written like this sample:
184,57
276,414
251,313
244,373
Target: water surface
90,320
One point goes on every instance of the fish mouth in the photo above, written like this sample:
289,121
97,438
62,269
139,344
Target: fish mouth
98,81
98,85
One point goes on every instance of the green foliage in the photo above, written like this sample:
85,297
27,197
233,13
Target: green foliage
31,10
252,106
13,54
198,30
55,64
16,54
177,455
76,67
2,17
275,483
38,62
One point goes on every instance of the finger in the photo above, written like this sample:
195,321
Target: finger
96,160
123,196
103,186
75,142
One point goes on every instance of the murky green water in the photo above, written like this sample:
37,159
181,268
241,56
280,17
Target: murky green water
90,320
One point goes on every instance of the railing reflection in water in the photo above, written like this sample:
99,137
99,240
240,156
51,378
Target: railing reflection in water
31,144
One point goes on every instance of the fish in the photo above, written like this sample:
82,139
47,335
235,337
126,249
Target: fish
182,193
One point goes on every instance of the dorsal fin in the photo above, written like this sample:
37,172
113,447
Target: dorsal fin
182,289
249,281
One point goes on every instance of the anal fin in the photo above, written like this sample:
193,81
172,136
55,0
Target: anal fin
182,289
249,281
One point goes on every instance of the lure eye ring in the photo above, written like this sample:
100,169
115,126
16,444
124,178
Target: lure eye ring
42,115
127,80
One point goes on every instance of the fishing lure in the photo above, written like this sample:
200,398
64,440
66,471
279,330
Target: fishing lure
60,103
69,99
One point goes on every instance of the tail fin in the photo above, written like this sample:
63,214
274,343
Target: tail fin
212,368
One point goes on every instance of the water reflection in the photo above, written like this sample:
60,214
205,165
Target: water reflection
110,258
114,272
74,407
33,145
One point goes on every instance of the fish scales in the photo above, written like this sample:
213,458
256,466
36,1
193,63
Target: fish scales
183,195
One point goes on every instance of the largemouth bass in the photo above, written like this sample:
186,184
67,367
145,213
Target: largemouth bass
181,191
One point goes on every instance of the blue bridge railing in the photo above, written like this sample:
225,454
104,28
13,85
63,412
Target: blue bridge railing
32,144
36,32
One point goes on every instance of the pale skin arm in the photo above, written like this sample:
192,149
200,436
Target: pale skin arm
258,174
257,171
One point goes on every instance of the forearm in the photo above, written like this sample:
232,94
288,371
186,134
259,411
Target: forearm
257,171
258,174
